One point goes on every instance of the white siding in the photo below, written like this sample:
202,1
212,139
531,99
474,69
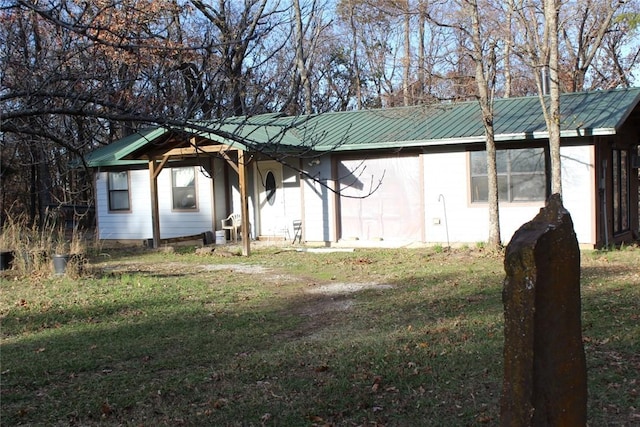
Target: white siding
136,224
446,183
292,199
579,190
319,203
220,191
176,223
132,225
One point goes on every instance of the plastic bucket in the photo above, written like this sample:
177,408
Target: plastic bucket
221,237
60,264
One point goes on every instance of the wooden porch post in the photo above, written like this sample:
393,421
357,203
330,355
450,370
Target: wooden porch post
244,204
154,171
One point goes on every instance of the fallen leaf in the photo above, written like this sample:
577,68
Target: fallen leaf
484,419
376,384
106,410
218,404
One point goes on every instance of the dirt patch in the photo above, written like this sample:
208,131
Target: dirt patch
318,303
325,305
347,288
238,268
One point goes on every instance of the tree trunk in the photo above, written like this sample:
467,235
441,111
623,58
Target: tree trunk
507,51
407,55
421,48
301,60
485,98
553,118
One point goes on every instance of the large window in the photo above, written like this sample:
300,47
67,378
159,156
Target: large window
621,204
521,175
183,187
118,188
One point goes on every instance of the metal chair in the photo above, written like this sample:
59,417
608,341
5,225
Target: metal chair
297,230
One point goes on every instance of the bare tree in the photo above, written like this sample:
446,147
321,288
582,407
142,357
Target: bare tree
552,113
620,54
482,52
484,58
582,30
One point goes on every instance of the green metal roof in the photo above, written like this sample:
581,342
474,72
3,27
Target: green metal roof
582,113
112,154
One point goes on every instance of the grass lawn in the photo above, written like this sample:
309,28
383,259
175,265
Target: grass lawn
402,337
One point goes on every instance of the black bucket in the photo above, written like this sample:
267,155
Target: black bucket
6,259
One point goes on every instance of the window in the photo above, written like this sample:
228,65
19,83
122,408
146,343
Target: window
621,204
183,188
270,187
521,175
118,188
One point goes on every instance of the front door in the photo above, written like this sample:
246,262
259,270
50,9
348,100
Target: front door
271,199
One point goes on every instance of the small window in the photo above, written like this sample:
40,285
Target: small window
118,188
183,188
270,187
521,175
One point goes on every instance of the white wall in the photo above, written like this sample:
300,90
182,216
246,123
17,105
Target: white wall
292,199
131,225
579,189
176,223
380,199
446,183
319,203
136,223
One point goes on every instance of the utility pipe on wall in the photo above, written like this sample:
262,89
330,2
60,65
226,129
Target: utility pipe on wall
446,223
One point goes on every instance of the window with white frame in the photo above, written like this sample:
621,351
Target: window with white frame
183,188
118,189
521,175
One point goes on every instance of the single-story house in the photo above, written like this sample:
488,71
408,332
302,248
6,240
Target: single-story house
395,176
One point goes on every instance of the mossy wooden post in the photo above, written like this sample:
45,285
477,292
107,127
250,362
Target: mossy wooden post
545,379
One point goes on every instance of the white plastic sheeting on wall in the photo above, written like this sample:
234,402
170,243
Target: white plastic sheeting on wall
380,199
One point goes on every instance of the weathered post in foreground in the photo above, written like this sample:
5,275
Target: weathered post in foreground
545,376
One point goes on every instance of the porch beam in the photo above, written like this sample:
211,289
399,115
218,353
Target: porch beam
158,167
192,151
231,162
